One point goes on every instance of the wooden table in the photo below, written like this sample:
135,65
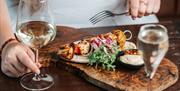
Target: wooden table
66,81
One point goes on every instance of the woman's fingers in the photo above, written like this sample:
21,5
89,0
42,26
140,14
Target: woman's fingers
7,67
39,65
142,8
32,56
17,59
29,52
19,66
134,8
12,71
157,5
150,6
27,61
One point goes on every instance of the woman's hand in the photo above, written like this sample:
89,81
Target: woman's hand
17,60
140,8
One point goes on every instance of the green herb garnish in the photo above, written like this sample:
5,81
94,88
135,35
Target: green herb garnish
104,57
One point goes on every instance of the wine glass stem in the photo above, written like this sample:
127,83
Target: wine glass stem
149,85
36,61
36,56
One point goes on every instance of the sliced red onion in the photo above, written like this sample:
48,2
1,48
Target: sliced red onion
97,42
94,45
109,41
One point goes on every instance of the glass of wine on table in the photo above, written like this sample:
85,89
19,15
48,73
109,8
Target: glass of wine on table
153,43
35,28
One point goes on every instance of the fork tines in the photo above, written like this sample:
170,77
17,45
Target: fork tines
100,16
104,14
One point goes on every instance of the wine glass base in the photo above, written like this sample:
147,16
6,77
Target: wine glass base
29,82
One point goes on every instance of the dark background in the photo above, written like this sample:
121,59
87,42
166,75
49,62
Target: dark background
170,10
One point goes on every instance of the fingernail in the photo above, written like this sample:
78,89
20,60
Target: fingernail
134,18
39,65
37,71
28,70
139,16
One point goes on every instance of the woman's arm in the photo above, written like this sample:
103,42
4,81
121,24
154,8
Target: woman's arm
5,25
16,58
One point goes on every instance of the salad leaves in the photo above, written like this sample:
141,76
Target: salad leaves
104,55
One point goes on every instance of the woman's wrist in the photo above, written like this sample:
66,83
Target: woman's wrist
6,43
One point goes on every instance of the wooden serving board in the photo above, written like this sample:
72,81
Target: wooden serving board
124,79
121,79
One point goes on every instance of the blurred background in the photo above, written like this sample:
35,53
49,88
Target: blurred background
170,10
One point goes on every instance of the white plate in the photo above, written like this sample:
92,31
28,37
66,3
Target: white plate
84,59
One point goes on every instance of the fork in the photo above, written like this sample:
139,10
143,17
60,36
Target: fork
104,14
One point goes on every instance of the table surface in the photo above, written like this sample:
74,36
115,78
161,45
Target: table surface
66,81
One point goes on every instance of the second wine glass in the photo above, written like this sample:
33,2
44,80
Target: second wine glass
153,42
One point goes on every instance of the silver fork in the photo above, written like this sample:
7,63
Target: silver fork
104,14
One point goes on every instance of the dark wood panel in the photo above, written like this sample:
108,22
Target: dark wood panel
168,8
178,10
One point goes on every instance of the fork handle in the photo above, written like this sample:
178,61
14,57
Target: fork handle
121,14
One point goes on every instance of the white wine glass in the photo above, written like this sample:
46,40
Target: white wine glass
35,28
153,43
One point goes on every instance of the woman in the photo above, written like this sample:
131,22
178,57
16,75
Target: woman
18,59
77,14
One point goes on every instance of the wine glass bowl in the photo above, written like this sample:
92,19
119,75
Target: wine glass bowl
153,43
35,34
35,28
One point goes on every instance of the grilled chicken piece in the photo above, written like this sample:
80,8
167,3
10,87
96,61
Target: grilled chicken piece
66,51
82,47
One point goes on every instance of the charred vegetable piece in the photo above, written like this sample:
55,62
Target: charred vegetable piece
131,58
131,61
121,38
77,50
66,51
132,52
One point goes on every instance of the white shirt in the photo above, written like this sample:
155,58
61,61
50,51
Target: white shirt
76,13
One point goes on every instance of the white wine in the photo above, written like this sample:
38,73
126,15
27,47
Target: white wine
153,43
35,34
